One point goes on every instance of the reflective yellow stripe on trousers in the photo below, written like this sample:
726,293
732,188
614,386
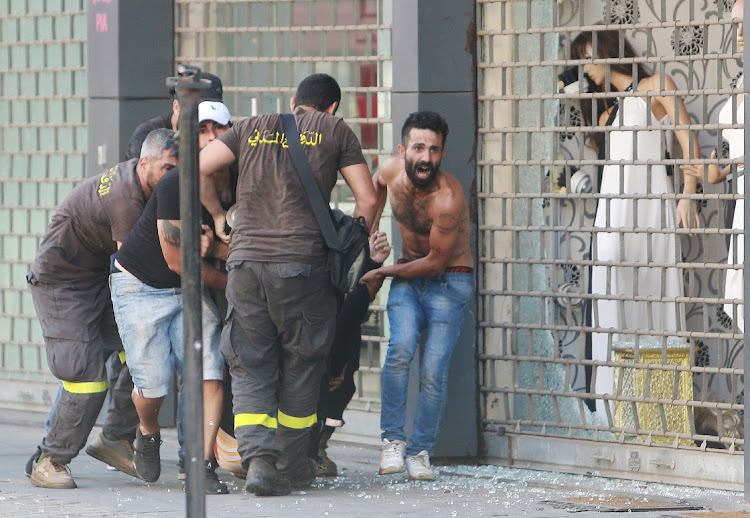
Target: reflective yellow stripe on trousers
297,423
86,387
122,356
255,419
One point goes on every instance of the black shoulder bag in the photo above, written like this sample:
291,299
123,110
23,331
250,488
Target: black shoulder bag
346,237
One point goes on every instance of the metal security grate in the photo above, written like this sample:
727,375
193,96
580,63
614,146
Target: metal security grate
262,48
43,143
602,319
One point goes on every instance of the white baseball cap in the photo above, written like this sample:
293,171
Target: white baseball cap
214,111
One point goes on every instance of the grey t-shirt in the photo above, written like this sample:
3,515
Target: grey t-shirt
85,229
274,220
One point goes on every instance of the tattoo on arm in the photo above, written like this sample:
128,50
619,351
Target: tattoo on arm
170,233
446,223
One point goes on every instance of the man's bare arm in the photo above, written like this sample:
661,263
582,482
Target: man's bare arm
380,181
446,225
358,179
212,159
170,239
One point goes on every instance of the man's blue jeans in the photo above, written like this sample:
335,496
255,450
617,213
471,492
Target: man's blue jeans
439,305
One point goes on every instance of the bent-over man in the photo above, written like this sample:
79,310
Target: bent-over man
68,283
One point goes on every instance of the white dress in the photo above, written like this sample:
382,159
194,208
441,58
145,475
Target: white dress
734,285
618,247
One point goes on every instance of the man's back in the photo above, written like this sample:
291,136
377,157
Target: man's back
274,221
92,218
141,254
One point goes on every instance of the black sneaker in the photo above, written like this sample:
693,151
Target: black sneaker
214,486
264,480
146,459
30,463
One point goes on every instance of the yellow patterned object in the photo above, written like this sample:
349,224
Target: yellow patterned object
227,456
642,382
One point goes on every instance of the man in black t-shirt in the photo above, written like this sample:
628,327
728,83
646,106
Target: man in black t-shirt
147,301
170,120
68,283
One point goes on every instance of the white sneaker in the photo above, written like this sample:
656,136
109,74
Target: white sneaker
418,466
392,457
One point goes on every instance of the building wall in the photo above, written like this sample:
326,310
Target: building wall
43,146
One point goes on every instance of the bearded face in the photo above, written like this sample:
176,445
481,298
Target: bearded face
421,173
422,154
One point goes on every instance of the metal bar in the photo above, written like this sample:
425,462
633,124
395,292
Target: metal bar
188,90
746,225
285,29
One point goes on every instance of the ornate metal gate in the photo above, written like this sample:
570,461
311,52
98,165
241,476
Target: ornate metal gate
607,322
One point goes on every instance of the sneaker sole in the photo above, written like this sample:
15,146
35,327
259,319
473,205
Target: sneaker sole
43,484
182,476
146,479
115,461
391,471
220,489
422,477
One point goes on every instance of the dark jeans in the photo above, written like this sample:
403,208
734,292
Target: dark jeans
280,325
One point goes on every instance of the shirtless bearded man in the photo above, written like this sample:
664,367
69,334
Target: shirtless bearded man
433,284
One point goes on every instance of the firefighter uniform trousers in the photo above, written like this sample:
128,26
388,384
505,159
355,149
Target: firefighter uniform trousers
80,334
280,326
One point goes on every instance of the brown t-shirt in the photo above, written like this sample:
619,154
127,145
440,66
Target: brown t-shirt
83,233
274,220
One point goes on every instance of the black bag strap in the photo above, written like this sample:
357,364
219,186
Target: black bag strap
319,206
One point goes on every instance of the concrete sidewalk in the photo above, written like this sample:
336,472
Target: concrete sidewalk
460,490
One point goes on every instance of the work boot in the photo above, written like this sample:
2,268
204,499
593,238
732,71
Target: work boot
418,466
30,463
326,467
146,459
50,475
118,454
214,486
263,479
304,474
392,457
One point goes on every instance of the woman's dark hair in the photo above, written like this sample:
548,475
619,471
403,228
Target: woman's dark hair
607,46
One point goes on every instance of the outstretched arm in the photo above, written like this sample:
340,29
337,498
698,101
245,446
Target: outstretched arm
443,237
387,170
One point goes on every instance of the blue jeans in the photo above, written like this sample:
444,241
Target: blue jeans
439,305
150,324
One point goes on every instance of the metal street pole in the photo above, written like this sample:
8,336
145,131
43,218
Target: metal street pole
188,87
746,249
